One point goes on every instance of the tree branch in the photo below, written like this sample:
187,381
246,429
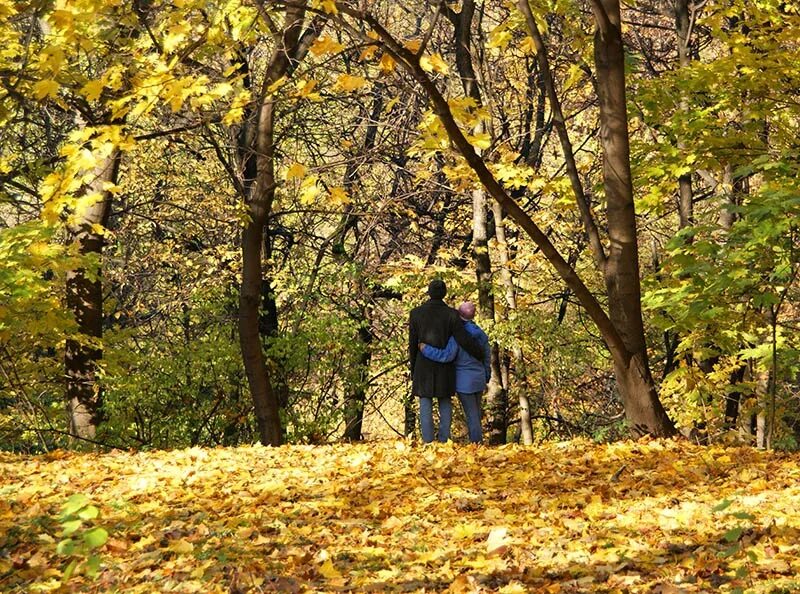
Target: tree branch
559,122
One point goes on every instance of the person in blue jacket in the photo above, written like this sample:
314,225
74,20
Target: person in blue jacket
472,375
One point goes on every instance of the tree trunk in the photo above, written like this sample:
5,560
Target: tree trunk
264,399
506,278
642,408
357,395
84,292
496,395
256,149
682,29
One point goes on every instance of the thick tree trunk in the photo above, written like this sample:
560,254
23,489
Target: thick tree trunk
643,409
264,400
84,292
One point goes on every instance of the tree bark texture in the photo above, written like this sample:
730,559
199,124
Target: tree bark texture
643,409
683,32
257,150
507,280
84,293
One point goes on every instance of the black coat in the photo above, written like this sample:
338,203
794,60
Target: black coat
434,323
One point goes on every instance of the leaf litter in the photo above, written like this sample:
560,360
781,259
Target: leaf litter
647,516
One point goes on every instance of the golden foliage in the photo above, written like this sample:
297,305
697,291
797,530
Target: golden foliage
563,517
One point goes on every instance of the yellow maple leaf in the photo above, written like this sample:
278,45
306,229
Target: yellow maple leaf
386,64
276,85
528,46
328,6
296,171
309,190
349,83
434,63
390,105
45,88
92,89
305,89
327,570
325,45
181,546
413,45
481,141
175,36
338,196
467,530
368,53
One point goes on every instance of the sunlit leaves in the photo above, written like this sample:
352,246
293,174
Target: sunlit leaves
325,45
328,6
47,88
386,64
337,196
349,83
434,63
352,516
295,171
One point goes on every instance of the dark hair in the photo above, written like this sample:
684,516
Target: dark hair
437,289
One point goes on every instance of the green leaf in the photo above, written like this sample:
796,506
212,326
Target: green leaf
74,503
96,537
65,547
93,566
69,570
90,512
742,572
730,551
724,504
71,526
733,534
744,516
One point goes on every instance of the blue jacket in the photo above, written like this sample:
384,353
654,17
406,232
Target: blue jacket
471,374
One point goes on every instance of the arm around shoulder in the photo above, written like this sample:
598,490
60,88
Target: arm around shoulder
466,341
445,355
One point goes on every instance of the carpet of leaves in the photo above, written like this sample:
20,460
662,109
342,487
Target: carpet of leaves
641,516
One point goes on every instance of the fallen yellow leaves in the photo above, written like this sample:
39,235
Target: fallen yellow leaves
390,517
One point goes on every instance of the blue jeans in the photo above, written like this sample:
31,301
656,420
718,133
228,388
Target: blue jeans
472,412
426,418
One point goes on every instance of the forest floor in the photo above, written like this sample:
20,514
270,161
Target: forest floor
647,516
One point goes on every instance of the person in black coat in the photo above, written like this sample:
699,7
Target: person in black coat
433,323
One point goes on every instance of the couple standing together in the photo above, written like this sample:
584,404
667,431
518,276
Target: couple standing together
448,353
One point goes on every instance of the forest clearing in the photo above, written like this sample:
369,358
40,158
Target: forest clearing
647,516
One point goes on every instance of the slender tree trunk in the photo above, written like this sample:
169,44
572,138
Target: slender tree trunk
682,29
506,279
357,394
256,148
496,395
84,292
